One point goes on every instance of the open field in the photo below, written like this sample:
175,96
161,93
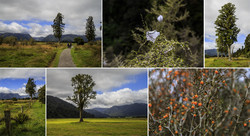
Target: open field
40,55
97,127
224,62
87,55
34,126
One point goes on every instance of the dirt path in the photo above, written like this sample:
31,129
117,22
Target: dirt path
66,59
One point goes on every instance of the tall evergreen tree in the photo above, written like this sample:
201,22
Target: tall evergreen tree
30,88
58,26
41,94
83,91
226,28
90,29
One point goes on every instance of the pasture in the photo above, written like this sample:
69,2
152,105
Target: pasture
97,127
39,55
224,62
34,126
87,55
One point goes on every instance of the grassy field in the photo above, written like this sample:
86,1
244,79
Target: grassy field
97,127
87,55
224,62
34,126
39,55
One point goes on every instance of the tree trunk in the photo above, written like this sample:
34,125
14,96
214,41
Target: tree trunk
229,54
81,120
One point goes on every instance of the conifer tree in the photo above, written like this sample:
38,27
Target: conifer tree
226,28
90,29
58,26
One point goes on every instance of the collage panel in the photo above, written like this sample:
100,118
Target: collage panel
199,102
148,33
227,33
45,33
22,102
97,102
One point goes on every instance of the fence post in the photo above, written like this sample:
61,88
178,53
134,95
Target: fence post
7,121
21,109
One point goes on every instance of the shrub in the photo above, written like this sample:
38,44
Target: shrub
21,118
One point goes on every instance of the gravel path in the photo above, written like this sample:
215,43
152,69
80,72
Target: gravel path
66,59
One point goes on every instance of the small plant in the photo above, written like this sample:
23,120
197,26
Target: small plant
21,118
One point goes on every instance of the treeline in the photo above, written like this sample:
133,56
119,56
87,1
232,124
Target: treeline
244,51
12,41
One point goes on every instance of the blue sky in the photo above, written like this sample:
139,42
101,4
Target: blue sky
212,8
14,80
36,17
113,86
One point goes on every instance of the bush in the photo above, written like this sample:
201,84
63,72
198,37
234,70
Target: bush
21,118
14,99
79,41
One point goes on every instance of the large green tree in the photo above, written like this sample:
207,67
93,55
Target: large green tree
90,29
58,26
41,94
83,91
226,29
247,44
30,88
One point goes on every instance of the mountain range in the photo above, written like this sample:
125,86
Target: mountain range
58,108
49,38
12,95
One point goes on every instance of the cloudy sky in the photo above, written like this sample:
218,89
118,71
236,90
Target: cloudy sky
36,16
113,86
14,80
212,8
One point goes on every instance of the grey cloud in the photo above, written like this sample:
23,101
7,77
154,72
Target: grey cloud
37,74
75,13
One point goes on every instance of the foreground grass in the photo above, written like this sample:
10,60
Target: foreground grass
35,126
87,55
97,127
28,56
224,62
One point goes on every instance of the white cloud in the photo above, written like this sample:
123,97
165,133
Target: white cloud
4,90
75,14
37,74
121,97
212,8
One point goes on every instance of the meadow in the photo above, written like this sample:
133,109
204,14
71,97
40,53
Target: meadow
39,55
87,55
35,125
97,127
224,62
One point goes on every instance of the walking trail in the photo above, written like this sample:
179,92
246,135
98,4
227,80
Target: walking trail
66,59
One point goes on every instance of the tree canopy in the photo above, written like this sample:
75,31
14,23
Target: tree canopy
83,91
30,87
58,26
226,28
90,29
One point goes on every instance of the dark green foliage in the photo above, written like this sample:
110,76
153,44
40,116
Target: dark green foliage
58,26
32,41
14,99
226,29
83,91
90,29
247,46
11,40
1,40
21,118
30,87
79,41
41,94
179,25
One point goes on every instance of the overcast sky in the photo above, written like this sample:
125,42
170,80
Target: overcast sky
212,8
113,86
14,80
36,16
